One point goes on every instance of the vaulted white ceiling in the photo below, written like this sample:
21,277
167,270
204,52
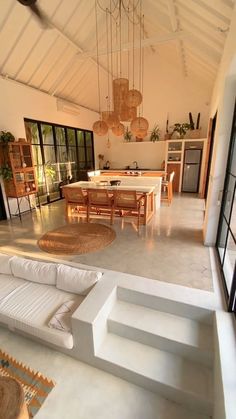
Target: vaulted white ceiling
61,61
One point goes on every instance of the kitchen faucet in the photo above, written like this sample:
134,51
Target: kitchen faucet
136,164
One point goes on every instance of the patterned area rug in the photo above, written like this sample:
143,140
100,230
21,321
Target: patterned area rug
36,387
77,239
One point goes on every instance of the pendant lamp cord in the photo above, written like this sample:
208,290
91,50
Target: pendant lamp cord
98,70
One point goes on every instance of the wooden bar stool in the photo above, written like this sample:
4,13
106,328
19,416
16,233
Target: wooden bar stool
12,401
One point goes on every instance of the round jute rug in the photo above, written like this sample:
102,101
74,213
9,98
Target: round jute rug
77,239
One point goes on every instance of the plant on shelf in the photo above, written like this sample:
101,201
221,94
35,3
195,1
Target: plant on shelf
155,134
6,137
6,172
127,135
101,159
181,129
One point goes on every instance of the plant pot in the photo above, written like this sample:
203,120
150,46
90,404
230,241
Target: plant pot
195,133
139,140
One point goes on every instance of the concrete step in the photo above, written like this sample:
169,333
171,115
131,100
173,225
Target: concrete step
168,332
171,376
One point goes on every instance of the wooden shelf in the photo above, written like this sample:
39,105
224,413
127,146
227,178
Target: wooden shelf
19,157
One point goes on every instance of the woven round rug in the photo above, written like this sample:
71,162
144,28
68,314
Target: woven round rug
77,239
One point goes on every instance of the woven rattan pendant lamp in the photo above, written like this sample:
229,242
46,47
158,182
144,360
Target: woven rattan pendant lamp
99,127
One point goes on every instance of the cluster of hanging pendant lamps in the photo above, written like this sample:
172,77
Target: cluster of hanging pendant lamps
125,100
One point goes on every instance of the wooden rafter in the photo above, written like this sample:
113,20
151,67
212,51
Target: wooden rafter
176,26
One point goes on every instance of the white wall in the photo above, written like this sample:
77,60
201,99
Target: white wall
223,100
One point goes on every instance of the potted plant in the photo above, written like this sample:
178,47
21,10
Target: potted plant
6,172
155,134
6,137
127,135
181,129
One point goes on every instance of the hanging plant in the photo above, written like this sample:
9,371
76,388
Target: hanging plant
6,137
155,134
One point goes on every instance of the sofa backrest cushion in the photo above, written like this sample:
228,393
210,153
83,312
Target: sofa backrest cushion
5,267
78,281
32,270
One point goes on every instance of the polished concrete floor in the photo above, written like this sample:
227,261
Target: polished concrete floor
84,392
169,248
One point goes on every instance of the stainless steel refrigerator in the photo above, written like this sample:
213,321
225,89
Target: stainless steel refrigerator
191,171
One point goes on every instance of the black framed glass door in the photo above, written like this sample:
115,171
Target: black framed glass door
226,236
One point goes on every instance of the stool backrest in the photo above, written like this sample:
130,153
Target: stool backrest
74,195
125,199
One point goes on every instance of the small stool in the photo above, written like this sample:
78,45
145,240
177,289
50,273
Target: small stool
12,402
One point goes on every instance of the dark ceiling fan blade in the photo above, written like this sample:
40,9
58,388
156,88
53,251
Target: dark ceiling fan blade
35,10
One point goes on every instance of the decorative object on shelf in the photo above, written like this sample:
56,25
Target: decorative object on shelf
101,158
27,188
167,134
155,134
123,105
127,135
24,165
180,129
6,137
22,140
194,133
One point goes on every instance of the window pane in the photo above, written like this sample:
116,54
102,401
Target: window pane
72,155
61,154
222,238
32,134
37,156
233,155
233,218
49,154
229,261
60,136
81,154
82,165
88,139
229,196
71,137
80,138
89,152
47,134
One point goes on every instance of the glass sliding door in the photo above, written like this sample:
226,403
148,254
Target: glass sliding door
60,154
226,237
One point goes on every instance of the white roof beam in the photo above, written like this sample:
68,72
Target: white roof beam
159,39
217,8
175,26
201,24
201,58
205,50
203,14
202,36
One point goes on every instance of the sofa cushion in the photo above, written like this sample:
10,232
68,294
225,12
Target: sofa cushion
8,285
5,267
61,320
78,281
30,308
32,270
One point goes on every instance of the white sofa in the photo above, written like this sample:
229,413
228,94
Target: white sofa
31,292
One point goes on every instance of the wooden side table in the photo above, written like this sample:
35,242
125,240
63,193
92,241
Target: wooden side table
12,402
